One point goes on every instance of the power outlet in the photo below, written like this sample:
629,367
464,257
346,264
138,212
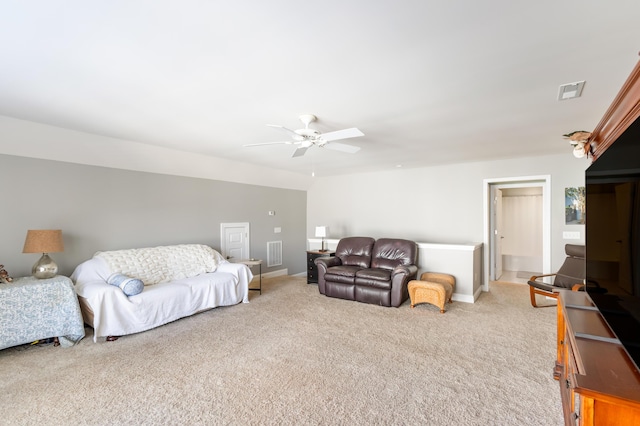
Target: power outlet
277,230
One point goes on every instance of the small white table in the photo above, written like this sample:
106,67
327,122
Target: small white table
254,262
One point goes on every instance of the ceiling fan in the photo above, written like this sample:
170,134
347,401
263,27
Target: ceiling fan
306,138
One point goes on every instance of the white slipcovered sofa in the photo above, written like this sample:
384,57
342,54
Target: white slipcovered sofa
178,280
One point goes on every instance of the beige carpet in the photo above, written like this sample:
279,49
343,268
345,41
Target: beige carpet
293,356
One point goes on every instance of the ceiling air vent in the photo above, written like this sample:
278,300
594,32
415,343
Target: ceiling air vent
570,90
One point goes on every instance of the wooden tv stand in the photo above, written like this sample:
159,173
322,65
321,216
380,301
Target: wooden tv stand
599,383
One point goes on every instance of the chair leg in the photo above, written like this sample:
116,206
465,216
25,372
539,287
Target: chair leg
532,294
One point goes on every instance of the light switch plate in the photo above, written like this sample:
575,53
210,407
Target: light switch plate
277,230
567,235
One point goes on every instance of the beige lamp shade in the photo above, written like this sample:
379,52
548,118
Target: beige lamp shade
43,241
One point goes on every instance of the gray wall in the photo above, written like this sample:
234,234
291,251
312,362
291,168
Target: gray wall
442,204
101,208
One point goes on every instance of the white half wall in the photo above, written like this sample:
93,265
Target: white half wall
463,261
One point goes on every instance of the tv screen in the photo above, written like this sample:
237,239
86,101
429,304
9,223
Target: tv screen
613,237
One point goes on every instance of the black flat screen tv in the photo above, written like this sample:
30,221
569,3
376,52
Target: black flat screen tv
612,185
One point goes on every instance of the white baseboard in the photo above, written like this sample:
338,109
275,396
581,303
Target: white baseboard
272,274
477,293
467,298
462,298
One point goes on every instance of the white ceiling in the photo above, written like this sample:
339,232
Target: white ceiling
428,82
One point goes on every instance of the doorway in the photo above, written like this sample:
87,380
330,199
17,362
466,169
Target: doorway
235,241
495,190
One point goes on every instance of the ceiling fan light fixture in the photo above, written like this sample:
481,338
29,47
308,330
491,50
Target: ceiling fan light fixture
308,133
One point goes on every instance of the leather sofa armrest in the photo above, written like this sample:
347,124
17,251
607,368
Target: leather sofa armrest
406,270
400,277
327,262
323,263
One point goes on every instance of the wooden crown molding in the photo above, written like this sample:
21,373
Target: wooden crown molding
624,110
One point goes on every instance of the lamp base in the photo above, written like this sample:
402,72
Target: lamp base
44,268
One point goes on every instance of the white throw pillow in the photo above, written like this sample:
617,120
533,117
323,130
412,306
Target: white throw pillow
129,286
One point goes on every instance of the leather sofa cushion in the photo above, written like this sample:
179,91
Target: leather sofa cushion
355,251
389,253
341,291
374,296
377,278
342,274
360,261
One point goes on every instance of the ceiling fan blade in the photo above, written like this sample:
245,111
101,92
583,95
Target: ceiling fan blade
290,132
342,147
271,143
342,134
299,152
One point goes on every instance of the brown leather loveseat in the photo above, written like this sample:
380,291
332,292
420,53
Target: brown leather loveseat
369,271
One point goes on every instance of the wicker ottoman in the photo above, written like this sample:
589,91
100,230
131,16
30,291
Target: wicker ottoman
432,287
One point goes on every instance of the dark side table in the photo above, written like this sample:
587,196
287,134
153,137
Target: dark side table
312,269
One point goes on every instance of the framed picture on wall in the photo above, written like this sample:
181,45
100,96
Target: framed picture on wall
574,206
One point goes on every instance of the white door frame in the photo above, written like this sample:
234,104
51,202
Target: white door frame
247,241
495,255
543,181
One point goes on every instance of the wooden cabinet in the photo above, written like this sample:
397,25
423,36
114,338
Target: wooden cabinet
599,383
312,269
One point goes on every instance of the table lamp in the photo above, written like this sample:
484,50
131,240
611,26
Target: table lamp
322,231
44,241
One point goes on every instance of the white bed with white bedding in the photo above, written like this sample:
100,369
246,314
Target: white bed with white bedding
178,281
